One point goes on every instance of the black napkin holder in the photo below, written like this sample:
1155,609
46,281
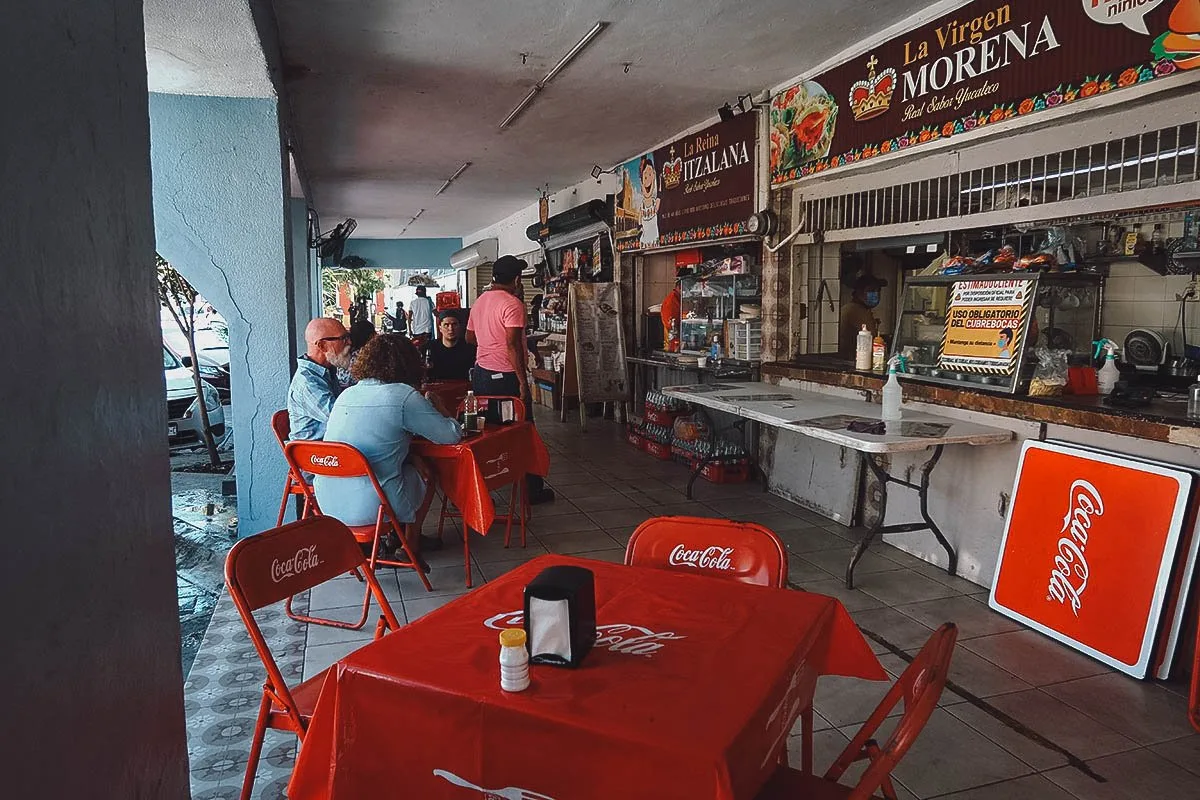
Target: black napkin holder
547,644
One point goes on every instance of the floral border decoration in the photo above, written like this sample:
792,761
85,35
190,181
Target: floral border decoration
698,234
1060,95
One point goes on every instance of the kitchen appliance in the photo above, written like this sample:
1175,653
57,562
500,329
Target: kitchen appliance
1145,349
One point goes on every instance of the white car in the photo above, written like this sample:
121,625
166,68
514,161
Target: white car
183,409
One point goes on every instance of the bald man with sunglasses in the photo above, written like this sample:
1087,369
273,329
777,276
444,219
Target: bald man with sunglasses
315,385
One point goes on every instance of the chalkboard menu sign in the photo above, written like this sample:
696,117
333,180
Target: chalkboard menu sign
599,342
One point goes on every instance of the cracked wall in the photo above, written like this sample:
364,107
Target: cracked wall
219,218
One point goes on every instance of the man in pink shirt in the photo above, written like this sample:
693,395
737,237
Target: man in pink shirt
497,328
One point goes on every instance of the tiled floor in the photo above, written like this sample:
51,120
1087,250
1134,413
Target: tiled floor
1023,717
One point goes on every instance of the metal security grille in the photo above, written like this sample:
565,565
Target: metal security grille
1156,158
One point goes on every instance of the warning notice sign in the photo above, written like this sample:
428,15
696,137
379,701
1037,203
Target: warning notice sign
985,323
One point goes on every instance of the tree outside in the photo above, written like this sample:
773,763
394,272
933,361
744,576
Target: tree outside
179,297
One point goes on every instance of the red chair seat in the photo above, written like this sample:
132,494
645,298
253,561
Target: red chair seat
305,695
365,534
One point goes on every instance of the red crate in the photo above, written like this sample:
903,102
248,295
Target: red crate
737,472
659,451
634,437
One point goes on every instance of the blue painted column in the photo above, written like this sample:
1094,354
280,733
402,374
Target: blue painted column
220,201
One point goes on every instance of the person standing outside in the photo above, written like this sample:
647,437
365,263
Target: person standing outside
314,385
497,328
420,318
400,320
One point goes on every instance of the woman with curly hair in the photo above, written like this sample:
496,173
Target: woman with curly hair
379,415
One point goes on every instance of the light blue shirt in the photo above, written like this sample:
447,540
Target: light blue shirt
380,420
310,399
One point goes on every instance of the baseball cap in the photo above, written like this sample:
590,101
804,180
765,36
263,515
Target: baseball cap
506,269
868,282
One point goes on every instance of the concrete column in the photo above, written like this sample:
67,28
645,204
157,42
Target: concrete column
304,278
220,218
93,697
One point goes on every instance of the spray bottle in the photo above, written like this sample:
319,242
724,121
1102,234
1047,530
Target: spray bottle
892,393
1108,375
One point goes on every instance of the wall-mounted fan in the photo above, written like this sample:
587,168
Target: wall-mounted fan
330,245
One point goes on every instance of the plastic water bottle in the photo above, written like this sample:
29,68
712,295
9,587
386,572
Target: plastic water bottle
514,661
470,411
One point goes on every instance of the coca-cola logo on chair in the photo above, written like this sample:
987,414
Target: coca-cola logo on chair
706,558
304,560
1069,577
325,461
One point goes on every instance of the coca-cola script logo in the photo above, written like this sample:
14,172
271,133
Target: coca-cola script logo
1069,578
305,559
325,461
620,637
708,558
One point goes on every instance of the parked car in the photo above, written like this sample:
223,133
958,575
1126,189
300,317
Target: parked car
211,349
184,424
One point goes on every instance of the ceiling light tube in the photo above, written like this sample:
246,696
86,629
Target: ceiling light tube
557,68
453,178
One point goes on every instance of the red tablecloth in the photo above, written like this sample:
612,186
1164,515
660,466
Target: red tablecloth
469,470
451,393
690,692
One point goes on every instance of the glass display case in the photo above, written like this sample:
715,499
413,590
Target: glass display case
981,331
705,304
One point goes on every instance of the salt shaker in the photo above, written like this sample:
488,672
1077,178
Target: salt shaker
514,661
1194,400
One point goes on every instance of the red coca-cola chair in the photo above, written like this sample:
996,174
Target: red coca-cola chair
919,687
263,569
1194,697
337,460
718,548
518,501
281,426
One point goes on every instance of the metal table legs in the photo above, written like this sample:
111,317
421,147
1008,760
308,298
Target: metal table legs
877,528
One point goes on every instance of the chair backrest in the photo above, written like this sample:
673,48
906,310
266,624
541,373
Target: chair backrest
272,566
485,401
282,426
334,460
720,548
920,687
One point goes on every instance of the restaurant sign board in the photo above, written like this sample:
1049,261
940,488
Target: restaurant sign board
983,63
985,323
695,189
1089,549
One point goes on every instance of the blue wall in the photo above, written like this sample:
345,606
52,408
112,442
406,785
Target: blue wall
404,253
219,218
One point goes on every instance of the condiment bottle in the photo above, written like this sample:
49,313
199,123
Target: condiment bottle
1194,400
514,661
878,354
862,350
470,411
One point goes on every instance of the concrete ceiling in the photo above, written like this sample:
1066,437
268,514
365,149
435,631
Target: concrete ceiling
204,48
390,97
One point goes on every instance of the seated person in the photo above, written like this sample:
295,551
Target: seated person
379,415
314,385
450,355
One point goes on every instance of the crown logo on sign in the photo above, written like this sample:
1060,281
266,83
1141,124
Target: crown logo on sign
672,171
873,96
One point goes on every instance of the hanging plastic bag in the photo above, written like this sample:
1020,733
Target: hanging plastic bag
1050,376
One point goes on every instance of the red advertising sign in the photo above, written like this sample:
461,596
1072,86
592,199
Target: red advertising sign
697,188
1089,548
980,64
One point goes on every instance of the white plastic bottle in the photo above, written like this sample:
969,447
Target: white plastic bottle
514,661
1108,375
892,393
470,411
863,344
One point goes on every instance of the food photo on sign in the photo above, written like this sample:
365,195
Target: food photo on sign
978,65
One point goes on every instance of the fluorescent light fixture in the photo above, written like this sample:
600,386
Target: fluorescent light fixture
411,221
453,178
549,76
1183,151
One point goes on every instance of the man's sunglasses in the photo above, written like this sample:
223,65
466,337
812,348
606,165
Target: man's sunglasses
345,337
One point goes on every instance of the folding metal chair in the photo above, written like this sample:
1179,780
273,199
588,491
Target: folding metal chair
920,687
718,548
281,426
337,460
518,499
263,569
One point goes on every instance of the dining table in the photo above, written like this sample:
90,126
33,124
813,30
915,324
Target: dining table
691,690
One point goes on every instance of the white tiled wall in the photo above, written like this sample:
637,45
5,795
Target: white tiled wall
1137,297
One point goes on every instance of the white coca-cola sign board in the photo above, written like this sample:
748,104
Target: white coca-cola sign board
1088,550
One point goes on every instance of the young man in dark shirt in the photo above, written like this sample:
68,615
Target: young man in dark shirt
450,356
